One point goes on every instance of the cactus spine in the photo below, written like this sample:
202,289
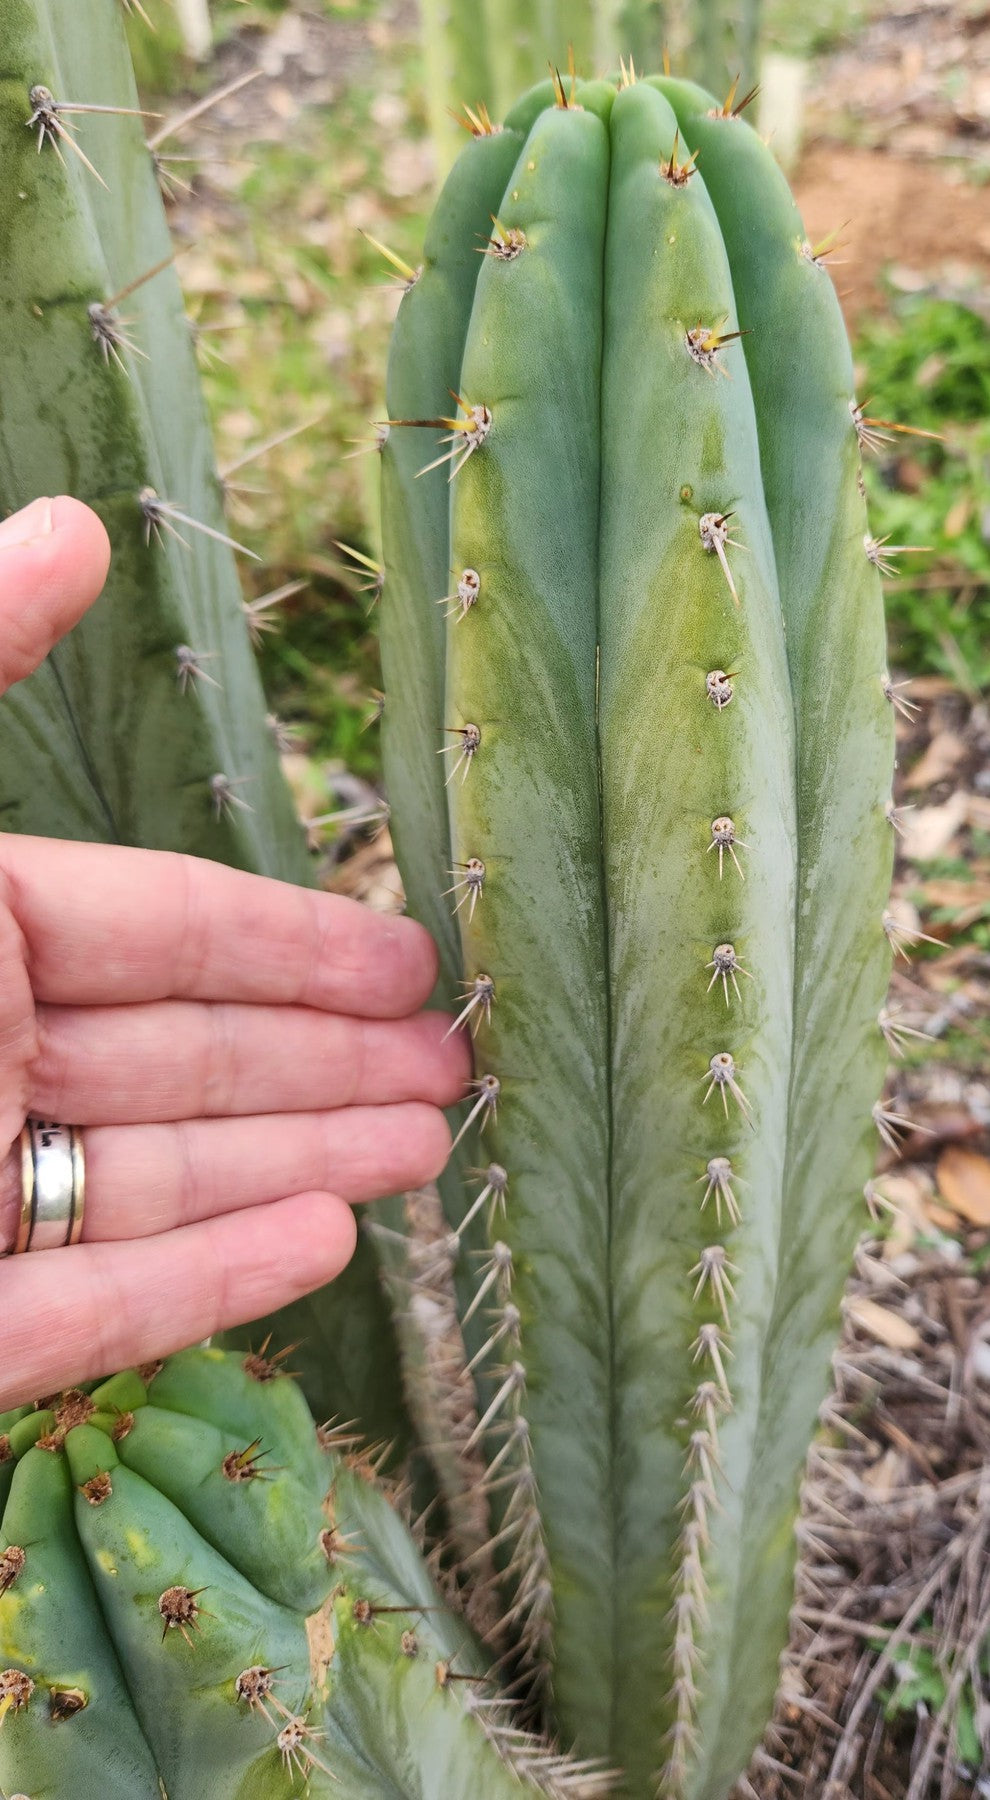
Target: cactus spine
670,748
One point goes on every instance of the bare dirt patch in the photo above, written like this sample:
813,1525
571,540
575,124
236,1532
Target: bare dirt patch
920,220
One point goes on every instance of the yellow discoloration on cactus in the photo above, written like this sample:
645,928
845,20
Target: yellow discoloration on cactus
143,1554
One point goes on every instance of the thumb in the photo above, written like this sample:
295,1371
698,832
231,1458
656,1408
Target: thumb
54,558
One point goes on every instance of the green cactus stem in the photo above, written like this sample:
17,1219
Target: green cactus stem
659,721
414,1708
200,1594
163,1541
148,724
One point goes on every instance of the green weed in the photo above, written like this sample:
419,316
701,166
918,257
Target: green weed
930,368
920,1685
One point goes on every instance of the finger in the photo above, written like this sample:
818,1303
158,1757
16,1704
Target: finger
146,1179
178,1059
73,1315
104,923
54,558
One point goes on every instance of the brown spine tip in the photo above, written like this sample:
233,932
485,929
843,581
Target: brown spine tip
245,1465
262,1367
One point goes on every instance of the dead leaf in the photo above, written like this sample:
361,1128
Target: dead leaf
907,1190
964,1183
943,755
967,900
889,1472
955,893
884,1326
932,828
942,1219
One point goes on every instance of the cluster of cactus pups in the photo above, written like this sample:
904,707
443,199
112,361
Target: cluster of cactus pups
638,743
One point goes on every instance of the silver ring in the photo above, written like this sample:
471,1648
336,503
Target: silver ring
53,1186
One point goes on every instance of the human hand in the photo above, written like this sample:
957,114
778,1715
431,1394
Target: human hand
245,1057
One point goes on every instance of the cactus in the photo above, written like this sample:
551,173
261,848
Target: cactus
413,1707
168,1548
638,726
481,56
632,595
147,725
162,1548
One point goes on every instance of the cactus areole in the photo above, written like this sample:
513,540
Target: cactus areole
639,753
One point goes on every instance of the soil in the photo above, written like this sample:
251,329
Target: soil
920,223
897,153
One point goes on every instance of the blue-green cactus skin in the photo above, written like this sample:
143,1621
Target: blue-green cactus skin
661,694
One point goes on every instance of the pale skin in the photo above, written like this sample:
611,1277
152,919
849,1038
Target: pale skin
246,1059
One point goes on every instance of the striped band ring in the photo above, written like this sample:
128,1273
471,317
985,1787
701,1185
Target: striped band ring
53,1186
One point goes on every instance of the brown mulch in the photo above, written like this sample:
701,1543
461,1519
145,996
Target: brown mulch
914,78
895,1540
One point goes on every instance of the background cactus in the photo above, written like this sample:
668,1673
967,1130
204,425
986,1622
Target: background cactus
483,56
147,725
657,670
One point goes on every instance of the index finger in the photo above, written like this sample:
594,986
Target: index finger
106,924
53,562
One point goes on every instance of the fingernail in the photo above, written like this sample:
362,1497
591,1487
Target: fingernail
28,526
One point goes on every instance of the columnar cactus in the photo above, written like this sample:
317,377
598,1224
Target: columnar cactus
414,1708
147,725
638,727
